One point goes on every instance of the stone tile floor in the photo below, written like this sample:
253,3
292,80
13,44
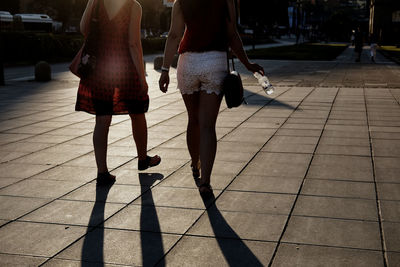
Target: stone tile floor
308,176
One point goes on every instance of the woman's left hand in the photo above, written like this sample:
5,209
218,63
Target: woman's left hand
253,67
164,81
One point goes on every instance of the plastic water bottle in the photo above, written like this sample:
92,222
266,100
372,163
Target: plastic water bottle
264,82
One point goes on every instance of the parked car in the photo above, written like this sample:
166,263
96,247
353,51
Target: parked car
6,20
35,22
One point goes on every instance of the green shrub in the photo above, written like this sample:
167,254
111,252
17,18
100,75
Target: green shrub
30,47
309,51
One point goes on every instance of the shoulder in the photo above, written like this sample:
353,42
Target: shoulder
136,7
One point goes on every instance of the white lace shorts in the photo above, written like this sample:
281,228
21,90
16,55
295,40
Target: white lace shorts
201,71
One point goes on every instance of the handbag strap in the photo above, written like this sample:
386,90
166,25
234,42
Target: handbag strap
228,53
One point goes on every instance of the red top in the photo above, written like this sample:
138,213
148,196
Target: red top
205,31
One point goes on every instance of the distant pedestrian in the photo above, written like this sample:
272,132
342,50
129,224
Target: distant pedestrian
208,27
359,42
373,46
118,84
352,38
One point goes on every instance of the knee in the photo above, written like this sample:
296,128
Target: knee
103,121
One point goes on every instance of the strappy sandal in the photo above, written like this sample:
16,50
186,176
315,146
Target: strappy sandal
205,190
196,170
105,178
147,163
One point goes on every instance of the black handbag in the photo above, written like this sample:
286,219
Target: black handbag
87,62
232,87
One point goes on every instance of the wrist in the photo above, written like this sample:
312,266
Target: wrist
164,69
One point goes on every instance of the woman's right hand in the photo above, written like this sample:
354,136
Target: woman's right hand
164,81
254,67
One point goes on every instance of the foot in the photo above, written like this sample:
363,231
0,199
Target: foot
148,162
105,178
205,190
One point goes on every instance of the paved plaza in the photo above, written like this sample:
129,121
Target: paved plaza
308,176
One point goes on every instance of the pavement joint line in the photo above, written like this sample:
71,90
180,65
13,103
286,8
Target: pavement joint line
378,206
329,246
305,176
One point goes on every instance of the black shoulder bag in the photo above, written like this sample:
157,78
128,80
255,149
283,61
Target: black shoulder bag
84,63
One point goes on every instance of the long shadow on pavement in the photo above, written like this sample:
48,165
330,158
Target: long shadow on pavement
151,243
235,251
93,244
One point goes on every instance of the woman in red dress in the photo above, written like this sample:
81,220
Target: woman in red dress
118,84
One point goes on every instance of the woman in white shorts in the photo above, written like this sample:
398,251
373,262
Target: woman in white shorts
203,30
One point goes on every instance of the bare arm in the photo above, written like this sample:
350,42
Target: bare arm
174,37
235,42
135,43
85,20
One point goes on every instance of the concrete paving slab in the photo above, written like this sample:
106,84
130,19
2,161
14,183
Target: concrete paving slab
8,181
255,202
333,232
299,132
340,167
13,170
114,194
184,178
338,208
7,260
345,134
73,213
239,225
154,219
364,142
74,263
391,232
383,135
23,146
266,184
389,191
40,188
279,164
174,197
343,150
393,259
68,173
386,148
13,207
312,256
37,239
251,135
333,188
44,157
390,210
120,247
196,251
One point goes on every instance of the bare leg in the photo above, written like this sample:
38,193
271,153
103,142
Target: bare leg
139,132
193,130
100,138
208,111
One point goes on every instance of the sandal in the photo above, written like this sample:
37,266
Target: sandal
148,162
205,190
105,178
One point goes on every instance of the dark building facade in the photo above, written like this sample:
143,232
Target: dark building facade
384,24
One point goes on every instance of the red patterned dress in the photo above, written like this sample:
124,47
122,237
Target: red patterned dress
114,87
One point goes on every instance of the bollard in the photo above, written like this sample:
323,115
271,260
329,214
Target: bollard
42,72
